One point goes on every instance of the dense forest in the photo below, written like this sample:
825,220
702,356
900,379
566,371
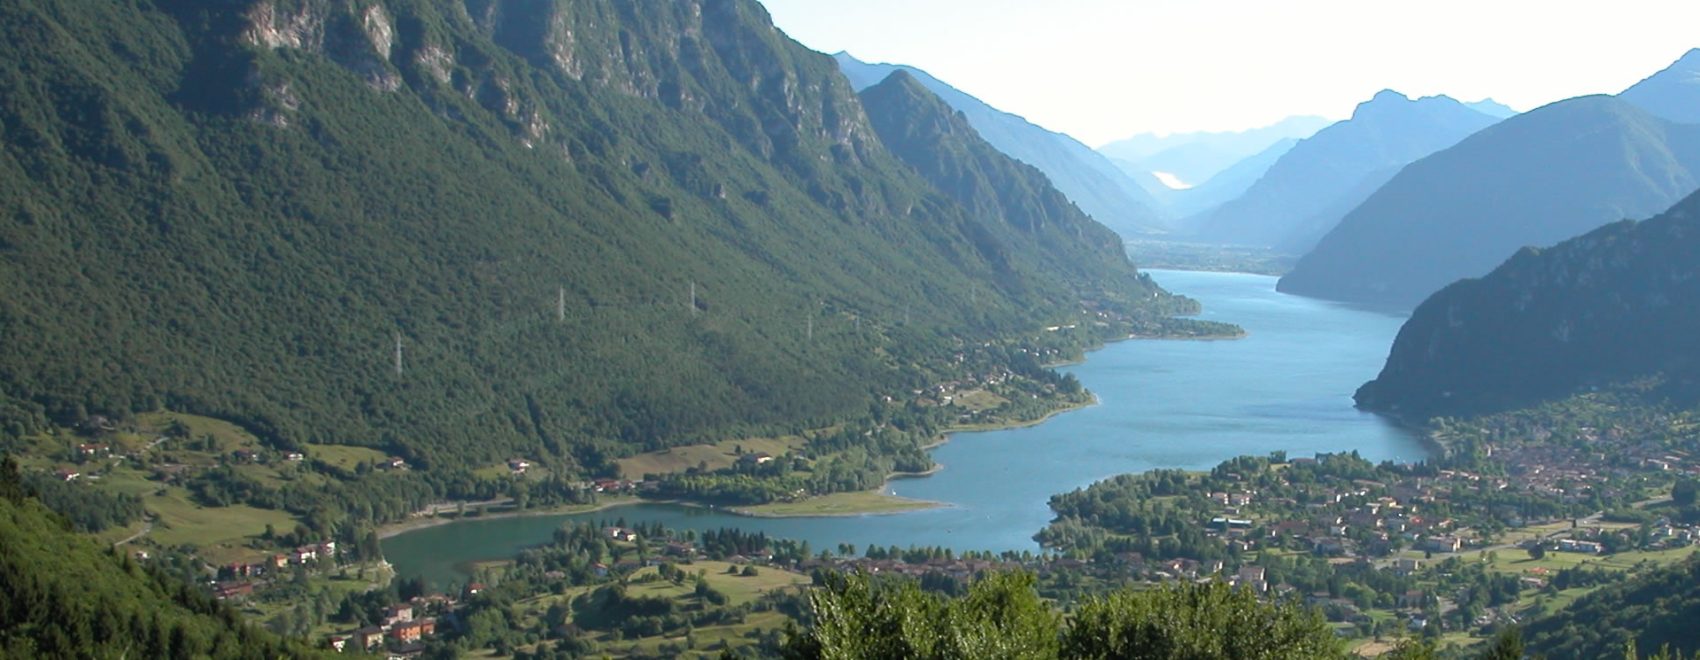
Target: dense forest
1613,306
63,595
460,231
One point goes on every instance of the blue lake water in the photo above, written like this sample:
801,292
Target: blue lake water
1162,404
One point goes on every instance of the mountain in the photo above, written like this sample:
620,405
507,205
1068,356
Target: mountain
1084,175
1535,179
1619,303
1227,185
1672,94
1195,158
940,144
68,596
1492,108
460,232
1325,170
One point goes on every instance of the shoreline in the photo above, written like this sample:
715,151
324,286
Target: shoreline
414,524
424,522
921,505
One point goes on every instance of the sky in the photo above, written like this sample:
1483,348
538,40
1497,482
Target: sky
1102,70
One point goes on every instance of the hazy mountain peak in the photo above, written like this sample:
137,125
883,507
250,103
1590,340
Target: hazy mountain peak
1389,100
1388,95
1492,108
1324,176
1673,93
1534,179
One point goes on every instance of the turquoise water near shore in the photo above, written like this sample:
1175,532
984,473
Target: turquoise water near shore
1286,386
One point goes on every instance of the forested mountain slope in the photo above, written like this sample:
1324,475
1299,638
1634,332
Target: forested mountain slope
1088,178
1006,194
66,596
250,209
1612,306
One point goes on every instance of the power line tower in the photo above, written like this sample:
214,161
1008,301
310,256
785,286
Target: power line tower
398,353
561,305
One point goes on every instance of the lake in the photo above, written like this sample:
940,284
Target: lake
1162,404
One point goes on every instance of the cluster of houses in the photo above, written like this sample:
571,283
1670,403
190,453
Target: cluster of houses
236,578
615,485
1363,517
400,627
945,393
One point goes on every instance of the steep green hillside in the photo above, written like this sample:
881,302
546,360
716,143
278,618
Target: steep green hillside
242,209
1654,611
1535,179
66,596
1013,198
1084,175
1617,304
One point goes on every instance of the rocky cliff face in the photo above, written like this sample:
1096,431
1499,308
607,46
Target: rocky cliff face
782,101
1619,303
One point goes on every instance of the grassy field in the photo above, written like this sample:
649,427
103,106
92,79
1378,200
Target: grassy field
839,504
708,640
345,456
713,457
221,533
739,590
978,400
1518,561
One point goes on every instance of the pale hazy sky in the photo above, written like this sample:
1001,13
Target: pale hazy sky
1101,70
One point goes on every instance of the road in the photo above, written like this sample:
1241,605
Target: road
146,527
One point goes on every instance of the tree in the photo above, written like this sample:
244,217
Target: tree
1538,551
1685,493
857,617
1002,616
1508,645
1196,621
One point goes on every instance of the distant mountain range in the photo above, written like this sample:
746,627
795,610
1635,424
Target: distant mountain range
1228,184
1089,179
1305,191
1535,179
1672,94
1619,303
1195,158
